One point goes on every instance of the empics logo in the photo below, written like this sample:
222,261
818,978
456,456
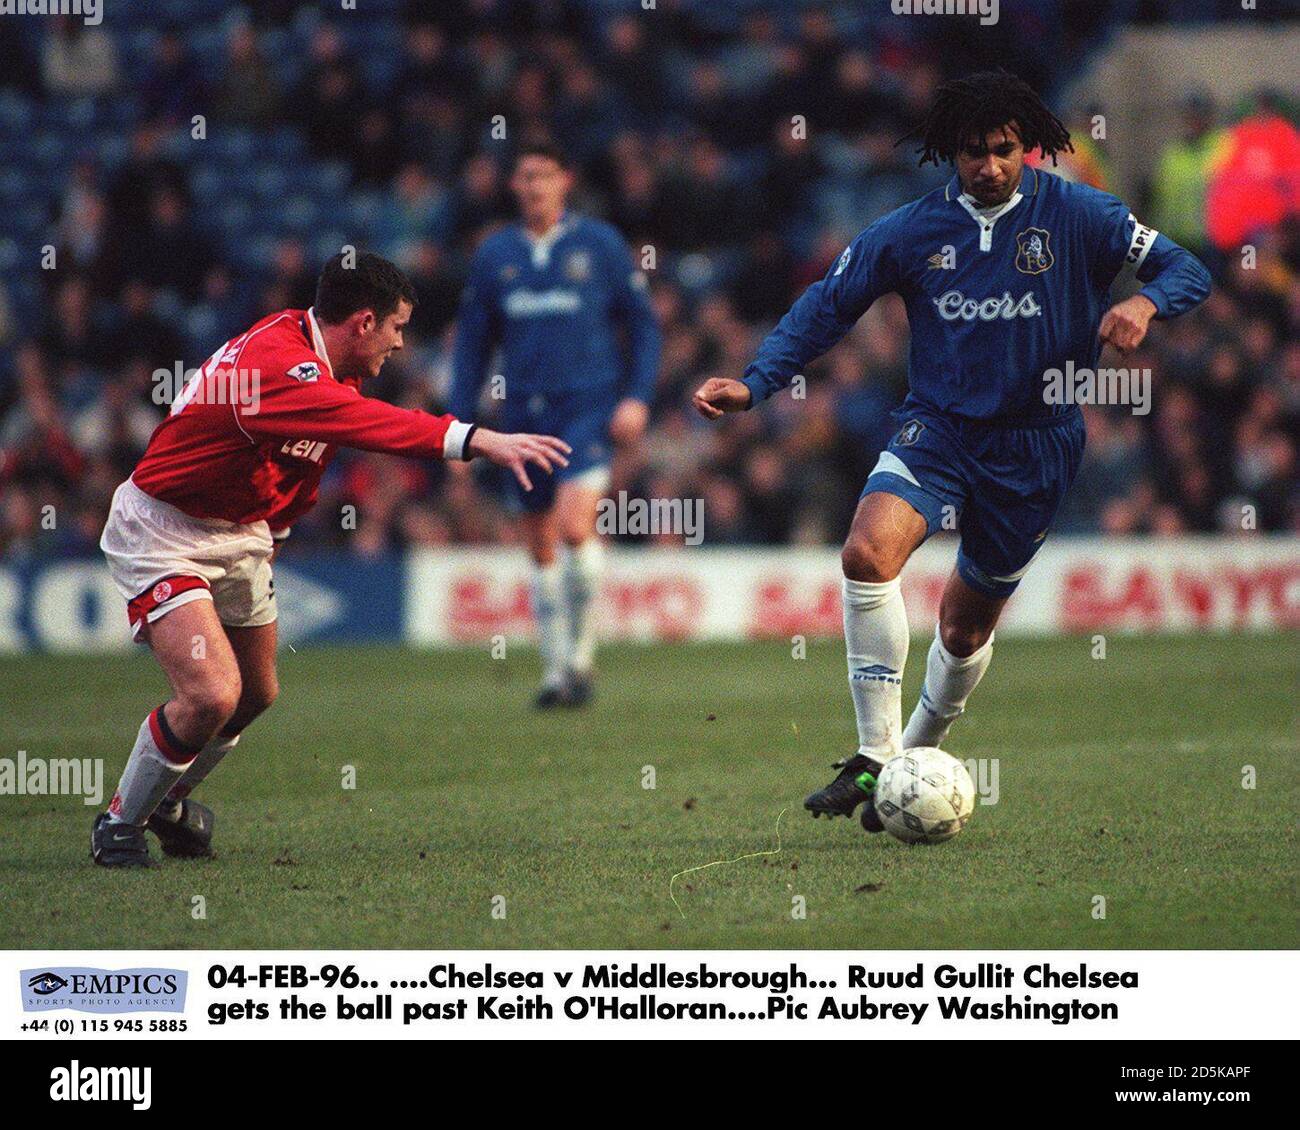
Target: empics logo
104,990
43,984
75,1083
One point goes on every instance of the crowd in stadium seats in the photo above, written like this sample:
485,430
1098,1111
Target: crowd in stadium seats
191,176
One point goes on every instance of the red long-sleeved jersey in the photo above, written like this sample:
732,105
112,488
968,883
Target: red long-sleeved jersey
253,430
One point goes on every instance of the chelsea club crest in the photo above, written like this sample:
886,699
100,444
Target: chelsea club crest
1033,255
909,434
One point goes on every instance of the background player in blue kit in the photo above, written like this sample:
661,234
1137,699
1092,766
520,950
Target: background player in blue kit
561,297
1006,274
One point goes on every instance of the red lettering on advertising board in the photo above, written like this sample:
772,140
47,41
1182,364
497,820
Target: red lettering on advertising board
670,607
1278,584
664,608
1086,603
779,610
1195,594
477,614
1093,596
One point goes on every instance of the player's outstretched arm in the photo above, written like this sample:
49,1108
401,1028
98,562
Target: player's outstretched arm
516,450
335,413
719,395
819,318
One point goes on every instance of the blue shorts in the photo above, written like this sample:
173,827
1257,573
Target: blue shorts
581,420
1000,486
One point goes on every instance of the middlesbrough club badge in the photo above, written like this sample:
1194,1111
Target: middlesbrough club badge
161,591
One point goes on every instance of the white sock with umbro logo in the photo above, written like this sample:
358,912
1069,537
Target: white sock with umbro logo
875,637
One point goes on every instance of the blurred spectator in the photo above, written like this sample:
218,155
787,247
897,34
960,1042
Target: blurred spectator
138,333
83,220
328,102
416,209
144,171
172,90
1256,184
247,92
1182,172
761,290
1086,163
437,286
79,60
170,252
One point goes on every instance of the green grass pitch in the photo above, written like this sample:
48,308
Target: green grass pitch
1120,777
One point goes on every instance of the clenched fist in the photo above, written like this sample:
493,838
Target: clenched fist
719,395
1124,325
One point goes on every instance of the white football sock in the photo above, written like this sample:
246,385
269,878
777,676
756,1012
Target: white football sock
155,765
949,681
206,761
875,637
552,623
583,568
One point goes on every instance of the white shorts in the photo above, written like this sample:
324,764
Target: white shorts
160,558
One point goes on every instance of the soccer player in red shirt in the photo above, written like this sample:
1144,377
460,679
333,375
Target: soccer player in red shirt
192,532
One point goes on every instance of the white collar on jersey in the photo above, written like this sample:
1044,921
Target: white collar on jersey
987,217
543,244
317,341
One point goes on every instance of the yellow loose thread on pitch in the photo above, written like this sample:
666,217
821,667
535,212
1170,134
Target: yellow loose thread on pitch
720,862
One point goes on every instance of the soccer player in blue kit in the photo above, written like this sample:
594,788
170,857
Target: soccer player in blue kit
1006,274
561,297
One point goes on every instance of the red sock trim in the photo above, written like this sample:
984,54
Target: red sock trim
170,750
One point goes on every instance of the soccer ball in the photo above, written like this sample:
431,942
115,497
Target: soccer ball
924,796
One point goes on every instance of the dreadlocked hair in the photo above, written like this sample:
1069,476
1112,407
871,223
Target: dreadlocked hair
970,107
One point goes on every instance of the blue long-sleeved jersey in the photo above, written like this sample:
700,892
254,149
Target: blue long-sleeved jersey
993,302
554,305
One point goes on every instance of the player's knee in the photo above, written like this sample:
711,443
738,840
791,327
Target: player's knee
577,533
865,559
260,695
572,527
963,638
212,701
542,546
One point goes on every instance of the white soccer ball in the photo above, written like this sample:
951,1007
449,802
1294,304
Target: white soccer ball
924,796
